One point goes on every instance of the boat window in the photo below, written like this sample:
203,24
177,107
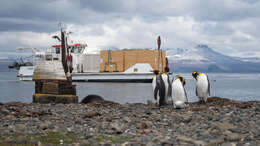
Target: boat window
48,57
57,50
72,49
75,49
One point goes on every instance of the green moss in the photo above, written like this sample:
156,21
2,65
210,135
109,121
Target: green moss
26,140
53,138
112,139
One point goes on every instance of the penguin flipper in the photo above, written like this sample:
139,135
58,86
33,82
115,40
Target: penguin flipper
161,90
169,87
156,92
208,86
185,94
197,91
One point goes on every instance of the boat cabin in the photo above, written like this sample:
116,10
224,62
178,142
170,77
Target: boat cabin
54,53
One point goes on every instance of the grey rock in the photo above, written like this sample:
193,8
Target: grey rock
228,144
230,136
107,123
117,127
20,127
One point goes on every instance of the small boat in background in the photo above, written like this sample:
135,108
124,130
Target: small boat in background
18,64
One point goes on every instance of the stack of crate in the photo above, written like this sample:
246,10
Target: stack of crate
52,85
121,60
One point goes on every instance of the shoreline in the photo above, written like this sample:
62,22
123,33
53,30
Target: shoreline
220,121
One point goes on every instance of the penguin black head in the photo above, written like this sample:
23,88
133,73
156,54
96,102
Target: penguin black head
182,80
156,72
166,69
195,74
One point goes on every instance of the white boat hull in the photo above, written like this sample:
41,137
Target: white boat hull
26,74
104,77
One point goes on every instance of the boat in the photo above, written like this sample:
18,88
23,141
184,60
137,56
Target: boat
26,74
128,65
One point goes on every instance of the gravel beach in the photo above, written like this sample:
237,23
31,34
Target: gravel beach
219,122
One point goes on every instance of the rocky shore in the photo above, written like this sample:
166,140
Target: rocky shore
219,122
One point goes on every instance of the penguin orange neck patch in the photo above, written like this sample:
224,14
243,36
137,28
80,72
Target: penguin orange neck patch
200,74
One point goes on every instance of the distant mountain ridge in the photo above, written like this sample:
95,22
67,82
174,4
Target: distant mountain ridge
205,59
201,58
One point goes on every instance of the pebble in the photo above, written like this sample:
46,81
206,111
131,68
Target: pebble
220,122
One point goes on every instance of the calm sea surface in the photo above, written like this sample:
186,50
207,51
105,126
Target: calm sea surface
242,87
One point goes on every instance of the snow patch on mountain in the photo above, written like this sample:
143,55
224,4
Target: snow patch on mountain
206,59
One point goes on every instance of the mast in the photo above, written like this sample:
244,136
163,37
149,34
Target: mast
63,51
159,45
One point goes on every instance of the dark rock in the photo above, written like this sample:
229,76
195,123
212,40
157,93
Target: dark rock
92,99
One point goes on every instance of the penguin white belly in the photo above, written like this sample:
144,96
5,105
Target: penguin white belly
154,85
202,86
179,96
165,80
154,82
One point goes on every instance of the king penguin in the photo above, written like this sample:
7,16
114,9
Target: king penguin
202,86
179,93
158,88
168,86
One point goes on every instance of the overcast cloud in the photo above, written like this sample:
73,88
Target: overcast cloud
228,26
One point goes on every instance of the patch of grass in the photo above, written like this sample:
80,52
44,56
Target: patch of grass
15,140
55,137
113,139
28,140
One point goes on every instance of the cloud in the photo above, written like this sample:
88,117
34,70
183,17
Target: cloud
230,27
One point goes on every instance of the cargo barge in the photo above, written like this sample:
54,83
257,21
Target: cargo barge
128,65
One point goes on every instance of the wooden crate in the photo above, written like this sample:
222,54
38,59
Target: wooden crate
121,60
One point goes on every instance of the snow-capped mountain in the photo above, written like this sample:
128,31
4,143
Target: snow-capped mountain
205,59
249,59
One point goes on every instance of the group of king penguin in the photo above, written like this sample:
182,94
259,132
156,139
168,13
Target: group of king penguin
163,88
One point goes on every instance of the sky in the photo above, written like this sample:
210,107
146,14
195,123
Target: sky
230,27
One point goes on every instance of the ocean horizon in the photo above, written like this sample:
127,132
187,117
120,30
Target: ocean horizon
234,86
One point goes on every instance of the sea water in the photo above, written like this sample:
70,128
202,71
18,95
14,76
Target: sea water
241,87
